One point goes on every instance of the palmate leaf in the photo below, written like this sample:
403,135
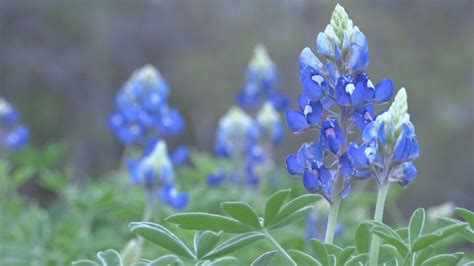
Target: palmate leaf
467,233
321,252
233,244
293,206
264,259
438,235
162,237
242,212
415,226
302,258
110,257
443,260
205,241
467,215
207,221
273,205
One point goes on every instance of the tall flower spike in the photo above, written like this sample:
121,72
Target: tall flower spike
261,83
270,123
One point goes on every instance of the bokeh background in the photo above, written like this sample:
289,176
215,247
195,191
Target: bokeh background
61,62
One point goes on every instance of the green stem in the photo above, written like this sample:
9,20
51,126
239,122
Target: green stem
375,243
279,248
149,205
332,220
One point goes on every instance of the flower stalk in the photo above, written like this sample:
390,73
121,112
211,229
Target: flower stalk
379,208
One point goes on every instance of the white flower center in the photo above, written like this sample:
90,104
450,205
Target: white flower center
350,88
369,84
318,79
308,110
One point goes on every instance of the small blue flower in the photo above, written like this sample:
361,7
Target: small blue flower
312,79
310,114
169,195
217,177
308,162
16,138
407,175
406,147
13,135
363,116
331,137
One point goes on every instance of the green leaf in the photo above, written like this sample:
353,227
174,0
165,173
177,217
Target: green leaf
242,212
345,255
205,241
389,253
303,212
273,205
423,255
417,222
161,237
207,221
84,263
224,261
302,258
385,228
333,249
166,260
320,250
357,260
234,244
390,239
362,237
443,259
438,235
294,206
264,259
467,233
110,257
402,232
467,215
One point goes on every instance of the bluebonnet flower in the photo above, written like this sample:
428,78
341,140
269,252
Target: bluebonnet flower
142,110
389,146
217,177
13,134
261,83
155,172
337,95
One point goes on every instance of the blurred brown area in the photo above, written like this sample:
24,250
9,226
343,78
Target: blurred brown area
63,61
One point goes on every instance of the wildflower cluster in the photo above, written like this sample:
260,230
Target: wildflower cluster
246,140
142,118
261,83
155,172
13,134
337,96
142,113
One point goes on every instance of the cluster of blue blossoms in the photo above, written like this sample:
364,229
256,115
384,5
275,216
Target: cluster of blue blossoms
249,141
13,134
338,97
141,119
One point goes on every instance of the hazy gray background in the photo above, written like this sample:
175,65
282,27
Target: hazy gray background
61,63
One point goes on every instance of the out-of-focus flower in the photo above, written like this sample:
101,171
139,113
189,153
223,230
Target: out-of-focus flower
269,122
142,109
13,134
261,83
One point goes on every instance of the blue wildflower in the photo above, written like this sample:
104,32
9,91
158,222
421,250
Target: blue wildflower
217,177
331,137
261,83
13,134
169,195
268,119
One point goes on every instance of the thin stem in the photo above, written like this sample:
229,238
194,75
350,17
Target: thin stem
149,205
332,220
379,207
279,248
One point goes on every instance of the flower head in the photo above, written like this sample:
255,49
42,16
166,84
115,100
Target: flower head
270,123
13,134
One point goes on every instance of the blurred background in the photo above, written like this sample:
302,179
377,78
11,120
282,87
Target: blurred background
63,61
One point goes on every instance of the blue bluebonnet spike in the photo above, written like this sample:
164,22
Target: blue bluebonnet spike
13,134
331,137
268,119
142,110
261,83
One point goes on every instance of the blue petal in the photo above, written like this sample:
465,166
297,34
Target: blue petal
347,188
381,133
277,133
345,165
323,45
325,176
292,165
409,174
216,177
179,155
316,113
307,58
357,156
357,97
383,90
296,121
310,182
370,132
360,40
16,138
337,52
359,58
303,100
